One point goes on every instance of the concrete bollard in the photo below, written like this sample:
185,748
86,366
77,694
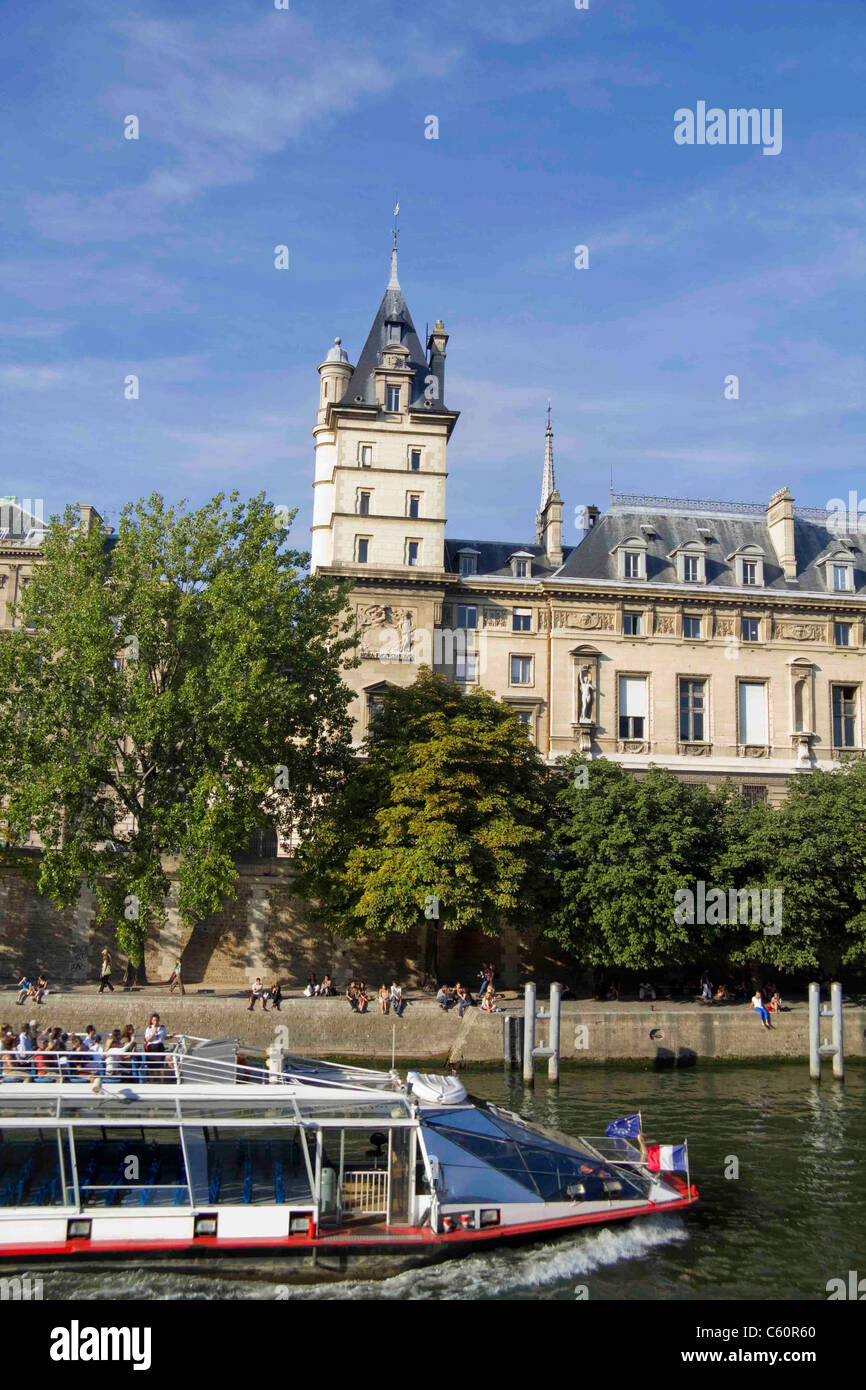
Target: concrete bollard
836,1034
555,1010
815,1032
529,1033
275,1063
508,1040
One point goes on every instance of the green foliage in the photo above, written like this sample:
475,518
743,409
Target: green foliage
624,845
449,801
151,693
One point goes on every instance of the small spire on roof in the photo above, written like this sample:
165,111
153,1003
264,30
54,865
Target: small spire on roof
548,482
394,283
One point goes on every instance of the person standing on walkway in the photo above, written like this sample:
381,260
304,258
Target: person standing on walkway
105,972
176,980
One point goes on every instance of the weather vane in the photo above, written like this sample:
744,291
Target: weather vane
396,215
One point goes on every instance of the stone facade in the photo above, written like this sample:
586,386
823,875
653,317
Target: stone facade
724,641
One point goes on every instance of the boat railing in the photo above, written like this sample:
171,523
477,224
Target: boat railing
171,1065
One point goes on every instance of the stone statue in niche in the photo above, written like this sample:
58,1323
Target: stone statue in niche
406,635
587,694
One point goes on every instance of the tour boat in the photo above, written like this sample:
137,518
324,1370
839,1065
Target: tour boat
200,1150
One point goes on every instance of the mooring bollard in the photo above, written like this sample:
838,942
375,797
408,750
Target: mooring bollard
836,1034
508,1040
553,1041
815,1032
529,1034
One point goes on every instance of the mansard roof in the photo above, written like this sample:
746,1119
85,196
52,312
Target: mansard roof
494,556
730,530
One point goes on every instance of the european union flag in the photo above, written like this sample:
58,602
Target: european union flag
627,1128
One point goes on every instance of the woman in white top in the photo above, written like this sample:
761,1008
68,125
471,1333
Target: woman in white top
760,1009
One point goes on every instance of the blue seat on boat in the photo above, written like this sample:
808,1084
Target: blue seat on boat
248,1182
279,1187
213,1191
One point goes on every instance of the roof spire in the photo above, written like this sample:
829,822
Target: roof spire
548,482
394,283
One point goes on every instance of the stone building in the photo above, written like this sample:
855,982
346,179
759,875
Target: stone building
722,640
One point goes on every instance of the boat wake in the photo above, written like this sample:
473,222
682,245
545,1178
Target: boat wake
502,1273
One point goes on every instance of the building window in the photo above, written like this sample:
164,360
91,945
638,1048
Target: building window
750,572
691,627
521,670
692,710
467,616
362,549
521,569
413,550
844,716
521,620
392,398
468,564
631,564
842,634
466,666
631,624
754,793
526,718
394,332
415,460
753,712
632,706
364,503
750,630
365,455
841,581
691,569
414,505
374,708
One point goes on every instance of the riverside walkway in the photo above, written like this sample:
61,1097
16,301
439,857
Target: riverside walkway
663,1033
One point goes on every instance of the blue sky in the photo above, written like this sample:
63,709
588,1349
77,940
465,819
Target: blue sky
261,127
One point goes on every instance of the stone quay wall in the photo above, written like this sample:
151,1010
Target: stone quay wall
266,930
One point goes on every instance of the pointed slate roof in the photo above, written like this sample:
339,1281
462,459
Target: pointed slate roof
548,482
361,389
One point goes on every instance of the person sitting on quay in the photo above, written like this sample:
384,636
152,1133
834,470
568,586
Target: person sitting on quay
40,989
613,993
398,1003
722,995
760,1008
775,1004
311,988
258,992
443,997
384,998
463,998
488,1003
646,991
24,988
326,988
275,994
352,995
363,998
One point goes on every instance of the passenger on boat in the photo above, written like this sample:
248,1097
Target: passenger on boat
258,992
12,1065
116,1050
155,1038
398,1003
384,998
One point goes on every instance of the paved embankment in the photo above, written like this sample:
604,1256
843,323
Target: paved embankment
591,1031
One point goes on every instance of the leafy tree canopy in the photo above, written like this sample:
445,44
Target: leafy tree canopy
166,692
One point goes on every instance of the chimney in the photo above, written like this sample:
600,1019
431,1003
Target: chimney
436,344
89,516
780,524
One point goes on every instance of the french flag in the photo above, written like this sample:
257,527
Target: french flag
666,1158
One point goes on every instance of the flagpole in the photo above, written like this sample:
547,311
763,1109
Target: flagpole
688,1178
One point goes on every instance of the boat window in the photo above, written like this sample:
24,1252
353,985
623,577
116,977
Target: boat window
394,1109
34,1168
130,1165
255,1166
466,1178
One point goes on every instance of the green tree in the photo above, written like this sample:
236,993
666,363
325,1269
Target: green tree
446,809
624,845
165,693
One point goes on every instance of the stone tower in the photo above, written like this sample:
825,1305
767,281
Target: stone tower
381,436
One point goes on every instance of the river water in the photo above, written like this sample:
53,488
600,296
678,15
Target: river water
793,1217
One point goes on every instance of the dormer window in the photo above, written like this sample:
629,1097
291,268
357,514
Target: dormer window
842,579
467,559
631,558
394,333
392,398
748,566
690,560
521,564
